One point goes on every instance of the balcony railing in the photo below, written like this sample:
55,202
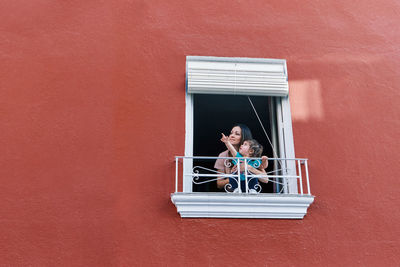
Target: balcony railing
290,199
290,176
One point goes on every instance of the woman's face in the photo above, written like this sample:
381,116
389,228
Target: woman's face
235,136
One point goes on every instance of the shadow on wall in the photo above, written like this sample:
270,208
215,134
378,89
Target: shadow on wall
306,100
342,89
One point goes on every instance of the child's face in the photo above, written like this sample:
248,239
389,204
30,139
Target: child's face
245,149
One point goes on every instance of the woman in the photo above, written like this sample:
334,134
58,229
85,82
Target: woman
238,135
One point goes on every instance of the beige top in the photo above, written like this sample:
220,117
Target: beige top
219,163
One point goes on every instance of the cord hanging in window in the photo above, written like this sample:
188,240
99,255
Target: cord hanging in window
265,132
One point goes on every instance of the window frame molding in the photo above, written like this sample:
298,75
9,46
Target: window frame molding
289,205
224,205
283,141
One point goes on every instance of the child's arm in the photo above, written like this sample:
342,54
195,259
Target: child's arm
228,144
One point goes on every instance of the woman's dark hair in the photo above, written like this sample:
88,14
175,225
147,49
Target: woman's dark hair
246,133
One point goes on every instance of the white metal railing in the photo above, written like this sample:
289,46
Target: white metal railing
287,177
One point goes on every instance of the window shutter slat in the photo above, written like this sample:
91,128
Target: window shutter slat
236,76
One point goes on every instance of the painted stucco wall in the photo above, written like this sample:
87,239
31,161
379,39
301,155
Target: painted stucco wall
92,114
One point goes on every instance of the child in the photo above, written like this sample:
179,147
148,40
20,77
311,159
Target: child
249,148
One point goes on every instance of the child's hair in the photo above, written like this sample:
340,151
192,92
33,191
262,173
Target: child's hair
256,147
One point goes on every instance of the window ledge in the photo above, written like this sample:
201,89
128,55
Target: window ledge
225,205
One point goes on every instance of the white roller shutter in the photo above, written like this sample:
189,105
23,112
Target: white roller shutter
236,76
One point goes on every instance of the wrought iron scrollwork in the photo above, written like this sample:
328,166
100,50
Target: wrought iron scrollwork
228,163
196,175
234,178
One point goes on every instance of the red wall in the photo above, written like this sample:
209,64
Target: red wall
92,112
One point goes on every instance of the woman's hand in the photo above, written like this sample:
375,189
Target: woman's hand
264,162
234,168
252,170
258,172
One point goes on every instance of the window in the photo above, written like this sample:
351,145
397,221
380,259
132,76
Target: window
210,118
259,90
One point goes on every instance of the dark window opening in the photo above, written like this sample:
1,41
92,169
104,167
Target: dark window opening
216,114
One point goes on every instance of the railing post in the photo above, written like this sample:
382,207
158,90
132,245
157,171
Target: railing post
245,175
308,182
238,174
285,172
301,180
176,174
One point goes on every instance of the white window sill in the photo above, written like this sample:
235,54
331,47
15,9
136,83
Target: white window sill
230,205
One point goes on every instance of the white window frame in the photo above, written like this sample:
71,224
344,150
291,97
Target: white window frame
283,141
289,205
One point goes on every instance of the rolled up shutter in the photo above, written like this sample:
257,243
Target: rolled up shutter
236,76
